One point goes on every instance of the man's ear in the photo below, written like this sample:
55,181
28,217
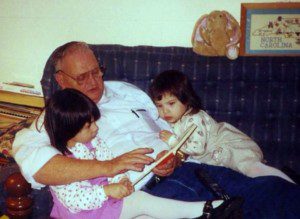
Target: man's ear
59,79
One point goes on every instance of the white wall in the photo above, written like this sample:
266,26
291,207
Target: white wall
31,30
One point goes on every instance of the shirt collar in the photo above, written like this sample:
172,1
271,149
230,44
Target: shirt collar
107,95
182,118
187,112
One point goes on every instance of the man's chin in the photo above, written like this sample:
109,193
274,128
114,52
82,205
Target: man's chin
95,96
96,99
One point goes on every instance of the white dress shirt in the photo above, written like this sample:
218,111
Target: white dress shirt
129,120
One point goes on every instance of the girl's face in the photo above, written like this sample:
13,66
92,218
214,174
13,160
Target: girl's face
86,134
170,108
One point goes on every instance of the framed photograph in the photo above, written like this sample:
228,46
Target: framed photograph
270,29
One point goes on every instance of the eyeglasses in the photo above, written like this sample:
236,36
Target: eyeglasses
81,79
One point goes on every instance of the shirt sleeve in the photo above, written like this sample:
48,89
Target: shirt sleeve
102,152
80,196
31,149
196,144
172,141
117,178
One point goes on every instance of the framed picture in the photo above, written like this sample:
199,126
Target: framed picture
270,29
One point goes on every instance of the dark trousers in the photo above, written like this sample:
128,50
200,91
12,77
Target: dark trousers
265,197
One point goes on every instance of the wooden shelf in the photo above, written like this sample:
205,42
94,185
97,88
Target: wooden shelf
21,99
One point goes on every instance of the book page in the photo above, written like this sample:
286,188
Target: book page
173,151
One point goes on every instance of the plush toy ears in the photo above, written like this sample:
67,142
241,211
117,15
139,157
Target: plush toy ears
234,26
201,23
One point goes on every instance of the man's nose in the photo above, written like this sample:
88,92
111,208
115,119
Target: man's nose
92,80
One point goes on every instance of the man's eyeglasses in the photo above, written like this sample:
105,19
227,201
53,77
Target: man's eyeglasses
81,79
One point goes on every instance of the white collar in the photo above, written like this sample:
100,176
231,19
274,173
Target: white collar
107,95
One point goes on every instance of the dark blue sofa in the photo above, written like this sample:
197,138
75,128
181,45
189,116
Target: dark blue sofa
258,95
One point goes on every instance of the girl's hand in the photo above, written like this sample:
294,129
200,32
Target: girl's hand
119,190
165,135
126,182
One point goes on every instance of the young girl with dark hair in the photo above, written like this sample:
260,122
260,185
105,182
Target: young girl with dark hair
70,121
212,143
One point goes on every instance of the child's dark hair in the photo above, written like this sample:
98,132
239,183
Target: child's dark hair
66,113
177,84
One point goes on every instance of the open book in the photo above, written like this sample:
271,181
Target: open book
173,151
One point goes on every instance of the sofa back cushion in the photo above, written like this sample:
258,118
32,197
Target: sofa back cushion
258,95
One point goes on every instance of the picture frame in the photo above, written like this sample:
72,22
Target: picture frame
270,29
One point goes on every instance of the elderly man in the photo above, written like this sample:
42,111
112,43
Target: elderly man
130,121
76,67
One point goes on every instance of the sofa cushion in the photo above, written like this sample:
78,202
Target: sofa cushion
258,95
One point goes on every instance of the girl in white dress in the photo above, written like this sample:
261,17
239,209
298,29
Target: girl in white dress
212,143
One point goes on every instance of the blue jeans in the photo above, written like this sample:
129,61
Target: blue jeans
265,197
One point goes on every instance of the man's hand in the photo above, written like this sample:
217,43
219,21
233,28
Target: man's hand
165,135
133,160
167,167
